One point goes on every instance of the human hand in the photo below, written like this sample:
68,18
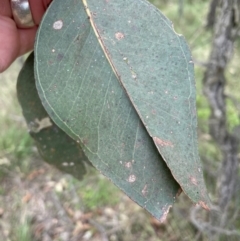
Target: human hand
14,41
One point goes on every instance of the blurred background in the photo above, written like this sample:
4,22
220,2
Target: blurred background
39,203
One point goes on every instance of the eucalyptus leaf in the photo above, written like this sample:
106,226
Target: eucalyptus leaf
83,95
154,65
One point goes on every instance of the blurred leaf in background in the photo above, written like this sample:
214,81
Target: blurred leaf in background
55,147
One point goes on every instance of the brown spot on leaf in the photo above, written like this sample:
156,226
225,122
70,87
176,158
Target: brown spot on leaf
193,180
132,178
128,164
145,191
60,57
85,141
153,112
119,35
163,143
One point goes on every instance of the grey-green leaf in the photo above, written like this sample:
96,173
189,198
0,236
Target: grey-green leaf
154,65
82,94
54,145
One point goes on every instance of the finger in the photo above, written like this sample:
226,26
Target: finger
38,9
9,44
26,40
5,9
13,42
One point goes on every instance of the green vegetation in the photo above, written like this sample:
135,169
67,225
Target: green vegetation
23,231
100,195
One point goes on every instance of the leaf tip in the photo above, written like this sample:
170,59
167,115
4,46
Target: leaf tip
165,213
204,205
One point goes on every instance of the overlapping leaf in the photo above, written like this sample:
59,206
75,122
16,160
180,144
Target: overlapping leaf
154,65
54,145
117,79
84,97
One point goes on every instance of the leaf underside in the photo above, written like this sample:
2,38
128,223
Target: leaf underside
117,79
54,145
155,67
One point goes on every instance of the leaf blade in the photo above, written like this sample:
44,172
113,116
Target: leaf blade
157,74
92,107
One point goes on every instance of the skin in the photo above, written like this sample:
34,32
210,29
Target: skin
15,42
